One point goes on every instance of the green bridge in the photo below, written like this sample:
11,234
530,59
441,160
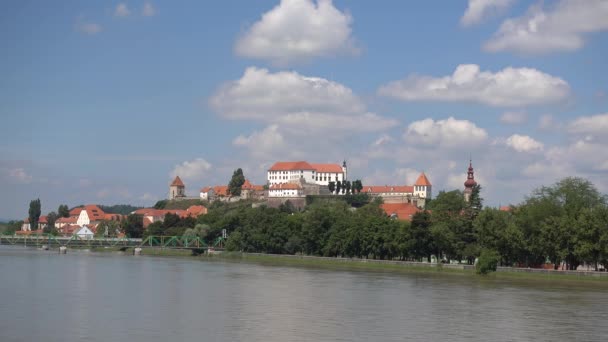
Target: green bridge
170,242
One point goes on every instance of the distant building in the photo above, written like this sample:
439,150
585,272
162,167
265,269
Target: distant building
401,211
416,194
470,182
302,172
220,192
151,215
177,189
286,190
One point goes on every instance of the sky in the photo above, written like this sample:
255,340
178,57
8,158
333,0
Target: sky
104,102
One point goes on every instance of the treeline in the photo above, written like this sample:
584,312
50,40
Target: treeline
564,223
122,209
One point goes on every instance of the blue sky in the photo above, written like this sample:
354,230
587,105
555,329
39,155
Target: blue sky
104,102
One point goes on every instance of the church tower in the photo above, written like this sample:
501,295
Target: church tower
177,189
344,169
469,183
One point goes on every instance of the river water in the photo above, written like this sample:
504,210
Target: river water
85,296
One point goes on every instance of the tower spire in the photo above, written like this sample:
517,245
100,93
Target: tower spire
470,182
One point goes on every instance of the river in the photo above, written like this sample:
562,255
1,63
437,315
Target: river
86,296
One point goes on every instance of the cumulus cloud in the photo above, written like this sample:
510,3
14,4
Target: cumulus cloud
594,126
548,122
510,87
450,133
559,28
296,31
477,10
263,143
148,10
87,27
19,175
191,170
514,118
304,104
523,143
122,10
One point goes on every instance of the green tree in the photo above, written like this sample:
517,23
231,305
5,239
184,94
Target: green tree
421,243
338,187
50,226
348,187
134,226
475,204
487,262
332,186
357,186
63,210
497,230
34,214
236,182
107,229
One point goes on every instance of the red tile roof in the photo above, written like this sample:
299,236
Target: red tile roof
197,210
505,208
291,166
380,189
75,211
94,212
248,186
285,186
177,182
422,180
206,189
328,168
67,220
404,211
221,190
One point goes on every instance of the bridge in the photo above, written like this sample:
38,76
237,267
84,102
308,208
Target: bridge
169,242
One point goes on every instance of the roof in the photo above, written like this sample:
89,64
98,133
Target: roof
285,186
249,186
41,219
177,182
206,189
196,210
67,220
75,211
112,217
505,208
94,212
291,166
422,180
221,190
404,211
381,189
328,168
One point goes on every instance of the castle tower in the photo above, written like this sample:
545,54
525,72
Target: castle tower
470,182
177,189
422,187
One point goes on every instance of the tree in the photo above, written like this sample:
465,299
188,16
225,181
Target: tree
338,187
487,262
63,211
357,185
236,182
50,226
134,226
160,204
107,229
34,214
475,204
348,187
332,186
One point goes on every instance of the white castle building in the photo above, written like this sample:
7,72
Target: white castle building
299,172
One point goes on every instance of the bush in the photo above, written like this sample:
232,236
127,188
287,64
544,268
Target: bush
487,262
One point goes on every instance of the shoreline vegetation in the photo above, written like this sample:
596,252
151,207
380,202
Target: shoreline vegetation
372,265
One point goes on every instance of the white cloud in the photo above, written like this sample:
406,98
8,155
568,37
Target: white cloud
295,102
510,87
148,10
596,125
477,10
548,122
514,118
122,10
382,140
192,170
87,28
296,31
262,144
523,143
449,133
19,175
559,28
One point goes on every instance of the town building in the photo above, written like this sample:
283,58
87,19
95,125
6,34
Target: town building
302,172
151,215
401,211
177,189
470,183
220,192
416,194
285,190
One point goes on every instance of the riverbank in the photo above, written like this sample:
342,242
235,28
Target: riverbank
503,273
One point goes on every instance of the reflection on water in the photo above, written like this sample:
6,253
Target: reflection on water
85,296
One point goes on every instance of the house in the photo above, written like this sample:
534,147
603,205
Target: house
416,194
285,190
293,172
85,233
401,211
151,215
42,223
220,192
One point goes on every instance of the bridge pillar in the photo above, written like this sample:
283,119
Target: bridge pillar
137,251
63,250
